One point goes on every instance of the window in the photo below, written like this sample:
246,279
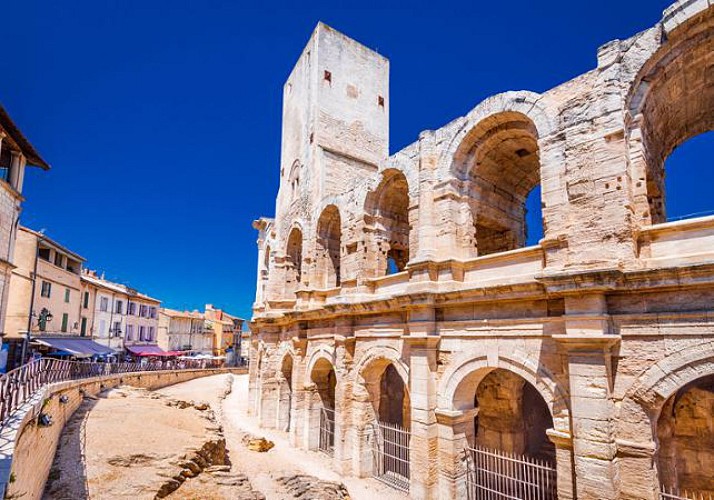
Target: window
141,332
85,303
65,320
59,259
142,311
44,254
102,327
119,307
46,289
104,304
150,335
130,332
83,328
66,295
152,313
131,308
117,328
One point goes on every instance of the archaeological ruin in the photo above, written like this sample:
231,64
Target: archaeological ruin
403,326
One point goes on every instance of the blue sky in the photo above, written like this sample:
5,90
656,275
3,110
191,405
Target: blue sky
161,119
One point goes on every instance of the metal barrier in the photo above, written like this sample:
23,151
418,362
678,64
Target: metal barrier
390,448
19,385
327,431
498,475
676,494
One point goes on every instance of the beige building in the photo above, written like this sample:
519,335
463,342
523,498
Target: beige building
184,331
119,316
52,272
16,153
402,326
226,330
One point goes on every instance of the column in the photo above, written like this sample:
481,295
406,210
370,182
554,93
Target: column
452,430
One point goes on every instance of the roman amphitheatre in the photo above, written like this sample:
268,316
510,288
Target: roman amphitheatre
402,326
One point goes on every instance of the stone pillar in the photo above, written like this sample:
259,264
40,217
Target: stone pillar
15,170
564,463
588,344
452,429
638,469
344,345
422,393
425,234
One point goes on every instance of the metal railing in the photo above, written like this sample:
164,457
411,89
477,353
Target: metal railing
499,475
676,494
327,431
390,447
19,385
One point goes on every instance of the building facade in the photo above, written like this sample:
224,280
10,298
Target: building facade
184,331
44,290
120,316
396,297
226,330
16,153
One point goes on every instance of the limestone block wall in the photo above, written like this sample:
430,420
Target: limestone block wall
28,449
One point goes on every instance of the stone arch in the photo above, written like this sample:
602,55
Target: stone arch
329,247
522,102
294,179
285,390
451,398
294,260
380,366
670,101
388,211
498,165
320,352
321,398
640,410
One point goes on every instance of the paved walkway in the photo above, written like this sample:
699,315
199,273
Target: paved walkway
283,460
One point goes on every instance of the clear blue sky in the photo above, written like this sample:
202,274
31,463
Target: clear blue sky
161,119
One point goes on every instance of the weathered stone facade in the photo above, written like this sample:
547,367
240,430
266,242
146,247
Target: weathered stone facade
396,288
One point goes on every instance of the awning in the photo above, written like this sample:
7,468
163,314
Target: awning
150,350
81,348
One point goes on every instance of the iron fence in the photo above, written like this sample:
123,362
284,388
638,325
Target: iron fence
327,431
676,494
390,447
19,385
499,475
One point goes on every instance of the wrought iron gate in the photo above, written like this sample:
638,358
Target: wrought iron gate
498,475
327,431
390,448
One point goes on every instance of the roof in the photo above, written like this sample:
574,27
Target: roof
50,241
116,287
27,149
173,313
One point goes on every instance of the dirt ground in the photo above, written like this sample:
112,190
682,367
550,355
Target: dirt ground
129,441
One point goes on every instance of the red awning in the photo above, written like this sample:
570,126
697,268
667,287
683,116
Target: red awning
150,350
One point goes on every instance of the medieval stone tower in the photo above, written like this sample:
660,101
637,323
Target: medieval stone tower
335,134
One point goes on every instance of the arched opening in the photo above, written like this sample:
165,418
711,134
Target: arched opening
293,261
503,432
322,407
499,162
685,434
393,398
687,179
286,392
329,236
294,180
389,433
390,208
672,101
